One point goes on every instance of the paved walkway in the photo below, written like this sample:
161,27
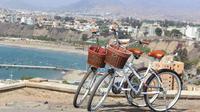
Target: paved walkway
38,100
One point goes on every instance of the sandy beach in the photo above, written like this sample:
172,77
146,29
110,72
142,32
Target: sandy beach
74,75
44,45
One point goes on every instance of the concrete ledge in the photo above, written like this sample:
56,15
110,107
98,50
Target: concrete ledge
190,94
72,88
52,86
12,86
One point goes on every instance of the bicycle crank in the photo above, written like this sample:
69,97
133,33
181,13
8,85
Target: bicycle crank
116,89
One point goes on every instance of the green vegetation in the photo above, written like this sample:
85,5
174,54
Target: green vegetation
82,21
11,35
158,31
103,42
176,33
99,22
123,35
84,37
187,64
26,77
183,57
198,70
44,38
167,33
183,54
65,82
57,17
197,82
70,19
133,22
104,30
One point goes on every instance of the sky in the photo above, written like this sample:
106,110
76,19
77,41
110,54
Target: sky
64,3
181,9
35,3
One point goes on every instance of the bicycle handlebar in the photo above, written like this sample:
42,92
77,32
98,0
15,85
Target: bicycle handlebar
141,42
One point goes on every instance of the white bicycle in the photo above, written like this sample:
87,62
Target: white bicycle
158,93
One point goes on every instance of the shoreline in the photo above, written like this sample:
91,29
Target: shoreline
42,45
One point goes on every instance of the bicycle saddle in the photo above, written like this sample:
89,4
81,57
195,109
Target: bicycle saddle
158,54
136,51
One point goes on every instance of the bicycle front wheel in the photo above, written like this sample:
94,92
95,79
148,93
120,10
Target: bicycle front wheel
166,92
84,87
100,92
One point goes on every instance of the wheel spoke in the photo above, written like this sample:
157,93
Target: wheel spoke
84,88
100,92
166,93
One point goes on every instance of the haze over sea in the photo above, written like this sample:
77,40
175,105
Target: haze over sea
36,57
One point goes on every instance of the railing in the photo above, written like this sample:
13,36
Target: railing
33,67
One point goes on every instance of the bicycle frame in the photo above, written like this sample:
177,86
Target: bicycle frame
142,79
133,70
136,89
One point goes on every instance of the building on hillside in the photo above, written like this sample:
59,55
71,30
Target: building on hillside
23,20
148,29
55,24
27,20
30,21
128,29
2,18
46,24
10,18
192,33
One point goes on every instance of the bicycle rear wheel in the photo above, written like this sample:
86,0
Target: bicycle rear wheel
132,98
84,87
166,92
100,92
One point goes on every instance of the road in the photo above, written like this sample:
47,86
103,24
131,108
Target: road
37,100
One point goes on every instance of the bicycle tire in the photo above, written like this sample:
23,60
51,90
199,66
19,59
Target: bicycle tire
89,107
150,79
77,93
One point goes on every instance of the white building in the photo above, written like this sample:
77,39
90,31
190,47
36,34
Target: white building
2,18
192,32
30,21
128,29
149,29
23,20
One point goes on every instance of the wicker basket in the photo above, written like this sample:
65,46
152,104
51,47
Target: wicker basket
117,56
96,56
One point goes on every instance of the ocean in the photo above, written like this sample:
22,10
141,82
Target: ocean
37,57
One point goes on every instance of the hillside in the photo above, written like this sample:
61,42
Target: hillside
24,31
146,9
